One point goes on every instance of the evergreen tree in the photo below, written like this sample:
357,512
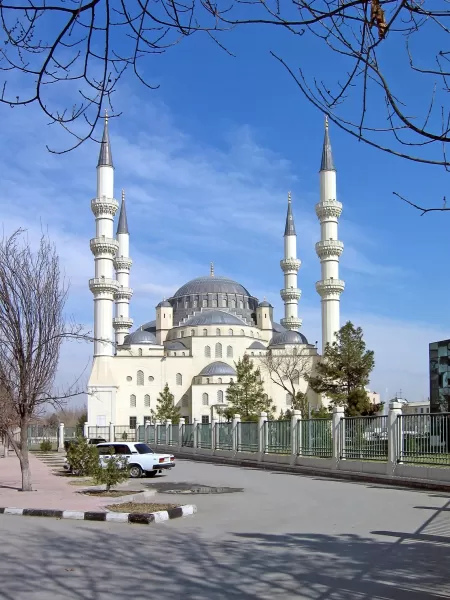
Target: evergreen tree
344,371
246,396
165,408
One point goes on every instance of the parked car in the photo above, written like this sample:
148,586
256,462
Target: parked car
141,458
92,441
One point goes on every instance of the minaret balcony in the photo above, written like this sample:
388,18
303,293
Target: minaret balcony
330,287
123,293
329,249
104,206
103,285
291,294
122,264
290,265
104,245
327,209
122,323
293,323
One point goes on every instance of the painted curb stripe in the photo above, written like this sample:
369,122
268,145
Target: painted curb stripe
143,519
118,517
174,513
95,516
73,514
39,512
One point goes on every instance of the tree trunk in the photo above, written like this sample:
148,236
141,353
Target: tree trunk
24,458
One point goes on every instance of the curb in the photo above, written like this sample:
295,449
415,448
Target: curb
141,518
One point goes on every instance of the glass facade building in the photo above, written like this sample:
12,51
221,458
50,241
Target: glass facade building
439,357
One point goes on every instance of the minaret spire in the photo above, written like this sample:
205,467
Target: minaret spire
290,266
329,249
122,225
211,270
122,263
105,155
327,163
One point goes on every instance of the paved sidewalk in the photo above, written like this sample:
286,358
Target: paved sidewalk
51,490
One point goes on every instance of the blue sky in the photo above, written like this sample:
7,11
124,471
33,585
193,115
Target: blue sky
206,162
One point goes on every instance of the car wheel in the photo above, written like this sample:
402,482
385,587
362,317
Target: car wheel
151,473
135,471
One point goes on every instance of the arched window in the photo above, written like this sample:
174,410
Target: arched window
224,302
204,302
231,380
288,400
241,304
133,401
218,350
219,380
146,400
230,332
219,396
192,332
195,303
184,401
179,379
205,399
182,333
140,377
205,332
233,303
230,351
252,353
295,377
242,332
208,351
214,303
207,380
217,331
251,333
139,351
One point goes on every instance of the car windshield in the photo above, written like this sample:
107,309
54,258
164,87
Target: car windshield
143,449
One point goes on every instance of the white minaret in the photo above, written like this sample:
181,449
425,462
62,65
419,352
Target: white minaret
104,248
122,322
290,266
329,249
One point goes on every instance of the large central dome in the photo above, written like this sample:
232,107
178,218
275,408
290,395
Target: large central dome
211,285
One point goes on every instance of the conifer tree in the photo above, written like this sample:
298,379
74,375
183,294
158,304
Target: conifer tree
344,371
165,408
246,396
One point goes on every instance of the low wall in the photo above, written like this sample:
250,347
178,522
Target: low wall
413,476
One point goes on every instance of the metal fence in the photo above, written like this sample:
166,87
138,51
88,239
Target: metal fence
364,438
173,435
314,438
123,433
278,438
424,439
187,435
38,433
99,432
224,436
204,436
161,434
248,437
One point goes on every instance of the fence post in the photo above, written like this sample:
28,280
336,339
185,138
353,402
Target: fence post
235,432
263,434
157,423
168,428
395,442
146,431
337,430
181,422
61,437
86,430
213,434
195,435
296,434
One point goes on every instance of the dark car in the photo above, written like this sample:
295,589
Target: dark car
91,441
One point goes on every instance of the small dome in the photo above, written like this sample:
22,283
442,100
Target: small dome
264,303
140,336
164,303
213,317
278,328
257,346
176,346
211,285
217,368
288,337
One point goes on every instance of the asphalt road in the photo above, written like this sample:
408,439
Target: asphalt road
284,536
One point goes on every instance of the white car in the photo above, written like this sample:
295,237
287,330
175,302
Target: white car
141,458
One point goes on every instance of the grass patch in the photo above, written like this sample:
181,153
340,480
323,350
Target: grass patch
111,493
81,482
141,508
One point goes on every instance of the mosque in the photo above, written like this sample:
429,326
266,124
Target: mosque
206,326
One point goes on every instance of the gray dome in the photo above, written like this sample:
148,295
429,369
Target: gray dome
176,346
213,317
265,303
164,303
288,337
257,346
211,285
217,368
140,337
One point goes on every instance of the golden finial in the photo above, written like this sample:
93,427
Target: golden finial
211,270
326,121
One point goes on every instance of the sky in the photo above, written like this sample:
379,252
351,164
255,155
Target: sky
206,161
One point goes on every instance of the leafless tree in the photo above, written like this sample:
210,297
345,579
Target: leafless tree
286,369
32,329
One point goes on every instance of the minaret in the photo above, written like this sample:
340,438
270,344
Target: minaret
290,266
104,248
122,263
329,249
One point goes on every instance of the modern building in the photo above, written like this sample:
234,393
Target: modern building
439,360
194,337
416,408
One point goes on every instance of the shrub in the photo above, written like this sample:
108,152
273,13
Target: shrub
114,471
124,436
82,457
46,446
